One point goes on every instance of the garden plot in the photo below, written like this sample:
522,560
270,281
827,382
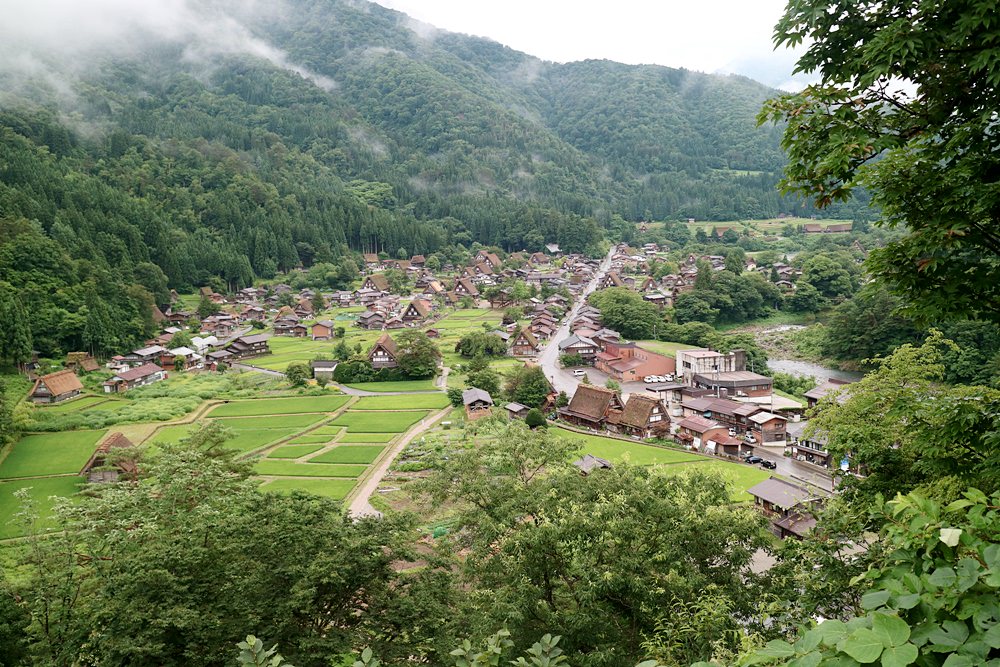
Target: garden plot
378,422
359,454
403,402
285,468
293,451
367,437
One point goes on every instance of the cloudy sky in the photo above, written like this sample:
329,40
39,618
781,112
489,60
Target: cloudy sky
705,35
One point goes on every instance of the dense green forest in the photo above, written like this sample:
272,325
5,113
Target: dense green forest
236,168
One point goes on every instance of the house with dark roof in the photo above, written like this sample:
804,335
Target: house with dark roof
578,345
371,319
56,387
768,428
696,431
817,393
644,417
383,353
249,346
589,463
323,369
133,378
477,402
593,407
516,410
611,279
735,383
790,507
99,469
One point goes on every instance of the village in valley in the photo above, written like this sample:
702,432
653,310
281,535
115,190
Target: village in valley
353,393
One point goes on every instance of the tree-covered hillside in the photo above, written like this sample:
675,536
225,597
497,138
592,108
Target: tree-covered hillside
398,139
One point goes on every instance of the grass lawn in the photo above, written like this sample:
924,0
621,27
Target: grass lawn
379,422
367,437
293,451
637,453
327,430
405,385
402,402
73,405
41,490
280,468
50,454
329,488
664,347
279,406
349,454
279,421
741,475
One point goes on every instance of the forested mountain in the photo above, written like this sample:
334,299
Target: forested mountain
343,126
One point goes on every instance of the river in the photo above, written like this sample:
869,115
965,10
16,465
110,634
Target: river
807,368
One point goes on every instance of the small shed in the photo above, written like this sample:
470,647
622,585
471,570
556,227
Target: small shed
589,463
99,470
323,369
477,403
516,410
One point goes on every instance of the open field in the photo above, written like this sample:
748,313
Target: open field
169,435
379,422
286,349
293,451
50,454
403,402
636,453
664,347
277,421
280,468
279,406
251,439
368,437
741,475
766,226
311,439
364,454
330,488
41,492
403,385
74,405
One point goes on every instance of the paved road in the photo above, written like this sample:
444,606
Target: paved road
549,358
796,470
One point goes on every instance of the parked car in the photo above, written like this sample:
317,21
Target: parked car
668,378
770,465
749,438
754,460
649,379
579,372
732,432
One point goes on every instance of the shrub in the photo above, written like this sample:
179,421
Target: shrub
534,418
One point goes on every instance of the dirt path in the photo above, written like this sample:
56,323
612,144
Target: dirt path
358,500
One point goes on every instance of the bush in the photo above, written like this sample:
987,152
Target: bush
298,373
534,418
455,397
570,360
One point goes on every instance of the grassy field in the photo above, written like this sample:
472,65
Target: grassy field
50,454
293,451
278,421
378,422
368,437
285,349
42,491
251,439
364,454
767,226
326,429
279,406
636,453
404,385
664,347
169,435
311,439
402,402
74,405
741,475
279,468
330,488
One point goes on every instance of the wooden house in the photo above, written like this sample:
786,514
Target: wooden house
134,378
524,344
98,469
56,387
371,319
383,353
322,330
645,417
377,282
593,407
589,463
249,346
788,506
477,402
416,311
516,410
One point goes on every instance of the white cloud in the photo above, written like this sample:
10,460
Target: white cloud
708,35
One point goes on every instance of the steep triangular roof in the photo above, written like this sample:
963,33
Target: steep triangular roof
59,383
385,342
638,410
593,401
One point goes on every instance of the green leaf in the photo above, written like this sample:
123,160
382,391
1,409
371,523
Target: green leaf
892,630
992,636
951,536
777,649
874,599
832,632
908,601
899,656
956,660
942,577
863,645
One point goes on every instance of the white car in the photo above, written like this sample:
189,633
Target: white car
732,432
668,378
650,379
749,438
579,372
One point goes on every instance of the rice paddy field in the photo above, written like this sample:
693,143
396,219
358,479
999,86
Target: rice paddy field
280,406
45,454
